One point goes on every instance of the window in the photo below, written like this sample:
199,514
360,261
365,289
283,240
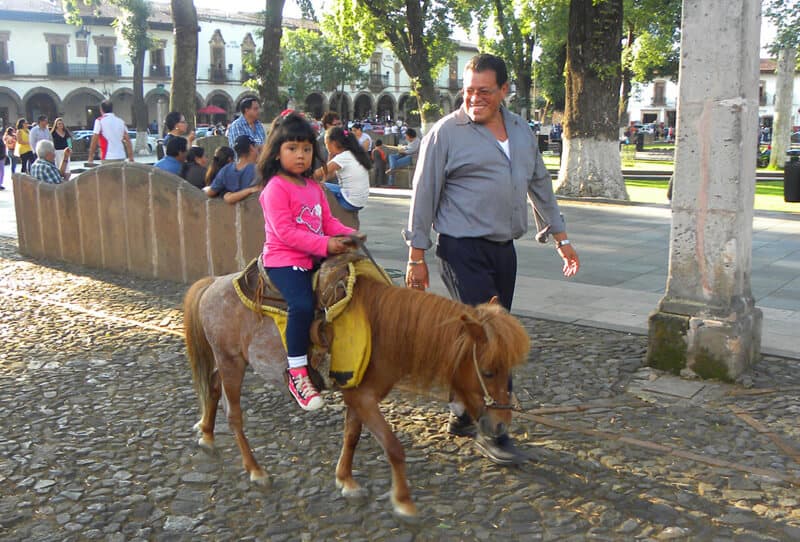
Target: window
4,46
217,50
659,93
762,93
81,48
57,47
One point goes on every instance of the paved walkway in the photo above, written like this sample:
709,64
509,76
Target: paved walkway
624,251
98,407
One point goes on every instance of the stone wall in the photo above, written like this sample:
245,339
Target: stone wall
138,219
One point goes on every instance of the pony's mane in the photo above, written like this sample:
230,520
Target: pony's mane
425,334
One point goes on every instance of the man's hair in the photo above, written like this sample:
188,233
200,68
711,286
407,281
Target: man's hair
411,132
45,147
247,103
172,119
176,145
486,62
329,118
106,106
41,118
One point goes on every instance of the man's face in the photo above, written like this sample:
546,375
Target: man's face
482,95
43,124
252,113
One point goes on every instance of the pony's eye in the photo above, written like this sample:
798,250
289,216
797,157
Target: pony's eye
487,374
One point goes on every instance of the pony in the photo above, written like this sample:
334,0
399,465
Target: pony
423,339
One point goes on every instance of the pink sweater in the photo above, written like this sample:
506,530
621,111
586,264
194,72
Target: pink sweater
297,223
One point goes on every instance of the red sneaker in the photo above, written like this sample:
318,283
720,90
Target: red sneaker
303,390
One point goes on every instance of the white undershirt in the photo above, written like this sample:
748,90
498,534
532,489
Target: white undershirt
505,147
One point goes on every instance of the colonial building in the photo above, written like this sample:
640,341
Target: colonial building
50,67
656,102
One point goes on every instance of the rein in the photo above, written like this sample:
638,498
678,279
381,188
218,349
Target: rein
488,400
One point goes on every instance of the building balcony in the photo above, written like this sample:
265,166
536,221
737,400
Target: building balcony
83,71
378,82
7,68
218,74
160,72
658,101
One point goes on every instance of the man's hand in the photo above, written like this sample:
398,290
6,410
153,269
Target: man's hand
417,275
571,262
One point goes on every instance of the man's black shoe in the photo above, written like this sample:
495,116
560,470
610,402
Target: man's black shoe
462,426
499,450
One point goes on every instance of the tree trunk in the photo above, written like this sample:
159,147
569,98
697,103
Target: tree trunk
418,68
184,63
270,61
139,107
590,165
782,123
627,86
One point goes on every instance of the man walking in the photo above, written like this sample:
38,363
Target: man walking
248,124
475,167
40,132
111,134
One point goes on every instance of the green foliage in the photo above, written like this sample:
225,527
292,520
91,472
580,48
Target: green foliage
310,61
549,67
651,30
785,15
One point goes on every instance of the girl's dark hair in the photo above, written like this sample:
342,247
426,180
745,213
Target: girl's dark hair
346,140
290,126
222,157
195,152
171,120
9,130
21,124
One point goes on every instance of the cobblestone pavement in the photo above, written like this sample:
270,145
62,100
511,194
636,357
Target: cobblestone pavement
97,409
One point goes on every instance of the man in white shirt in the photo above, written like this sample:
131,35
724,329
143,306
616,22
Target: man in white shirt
112,135
39,132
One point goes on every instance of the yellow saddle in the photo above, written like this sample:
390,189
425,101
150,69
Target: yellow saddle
351,345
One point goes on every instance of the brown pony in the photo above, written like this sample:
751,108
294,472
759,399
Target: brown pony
425,339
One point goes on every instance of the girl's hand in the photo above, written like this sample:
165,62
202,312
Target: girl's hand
337,245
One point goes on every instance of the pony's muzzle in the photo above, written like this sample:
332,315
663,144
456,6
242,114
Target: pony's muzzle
491,428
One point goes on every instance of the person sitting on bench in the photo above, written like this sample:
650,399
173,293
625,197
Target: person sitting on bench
404,156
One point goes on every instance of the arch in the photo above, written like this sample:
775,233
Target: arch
405,106
386,107
41,101
218,97
340,102
121,93
94,93
10,101
122,100
315,105
363,106
152,96
242,96
81,107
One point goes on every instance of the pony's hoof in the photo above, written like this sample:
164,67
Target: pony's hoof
259,477
352,491
405,510
206,442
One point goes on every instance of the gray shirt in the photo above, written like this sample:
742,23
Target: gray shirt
466,186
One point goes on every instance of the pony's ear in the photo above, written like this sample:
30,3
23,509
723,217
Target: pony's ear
474,328
494,300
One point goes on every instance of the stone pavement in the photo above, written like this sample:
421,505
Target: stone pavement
98,407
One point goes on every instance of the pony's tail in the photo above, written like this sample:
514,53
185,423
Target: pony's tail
198,349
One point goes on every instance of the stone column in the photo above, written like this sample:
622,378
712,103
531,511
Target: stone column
707,320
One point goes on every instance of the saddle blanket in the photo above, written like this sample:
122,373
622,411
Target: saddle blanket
352,334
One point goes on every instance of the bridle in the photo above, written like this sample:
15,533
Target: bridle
488,400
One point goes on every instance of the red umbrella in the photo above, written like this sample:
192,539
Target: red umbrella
211,110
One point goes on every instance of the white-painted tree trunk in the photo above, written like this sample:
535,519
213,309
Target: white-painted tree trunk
140,148
591,168
782,122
